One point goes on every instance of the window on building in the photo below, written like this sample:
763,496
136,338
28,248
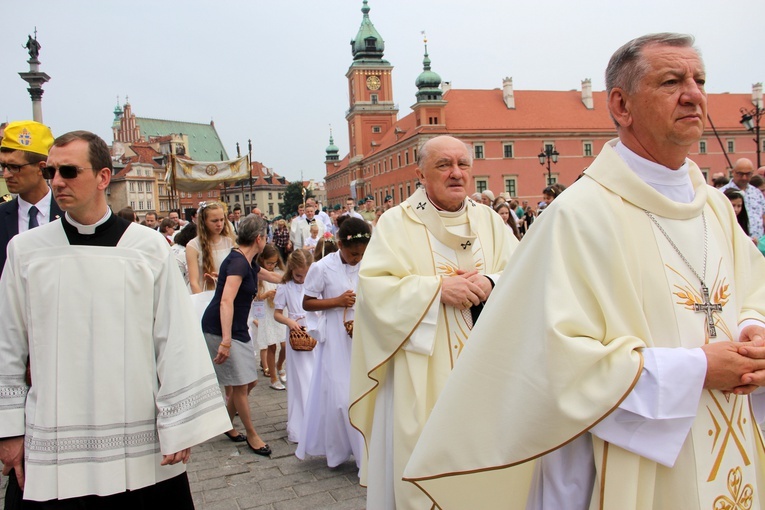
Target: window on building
406,157
731,146
550,146
481,185
432,121
131,186
376,129
199,195
587,149
511,186
280,195
140,205
149,205
400,193
270,195
385,166
398,157
210,194
702,146
478,151
507,150
132,204
408,189
236,198
705,172
390,162
373,98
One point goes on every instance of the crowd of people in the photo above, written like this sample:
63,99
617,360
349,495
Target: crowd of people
636,353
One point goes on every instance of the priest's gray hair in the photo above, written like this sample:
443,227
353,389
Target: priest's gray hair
249,229
422,151
627,67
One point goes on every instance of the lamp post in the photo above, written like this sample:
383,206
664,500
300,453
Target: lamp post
750,119
548,154
249,167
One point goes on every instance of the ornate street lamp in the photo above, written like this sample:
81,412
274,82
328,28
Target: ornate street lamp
750,119
547,155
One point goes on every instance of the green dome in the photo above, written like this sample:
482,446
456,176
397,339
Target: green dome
428,82
368,42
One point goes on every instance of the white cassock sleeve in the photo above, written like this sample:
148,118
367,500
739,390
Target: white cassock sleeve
655,418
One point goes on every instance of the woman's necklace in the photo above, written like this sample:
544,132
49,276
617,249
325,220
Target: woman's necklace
706,306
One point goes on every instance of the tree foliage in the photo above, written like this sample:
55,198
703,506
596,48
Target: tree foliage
293,196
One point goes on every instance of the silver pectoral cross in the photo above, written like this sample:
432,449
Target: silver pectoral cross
707,307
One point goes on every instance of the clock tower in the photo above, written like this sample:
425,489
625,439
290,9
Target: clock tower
372,111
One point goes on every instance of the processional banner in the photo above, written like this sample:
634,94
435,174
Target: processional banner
189,175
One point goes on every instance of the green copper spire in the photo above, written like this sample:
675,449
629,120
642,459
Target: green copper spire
332,149
368,45
428,82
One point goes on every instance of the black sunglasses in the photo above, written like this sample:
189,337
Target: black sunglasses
65,171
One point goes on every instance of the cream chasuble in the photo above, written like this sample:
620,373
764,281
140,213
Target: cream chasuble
406,341
602,283
120,371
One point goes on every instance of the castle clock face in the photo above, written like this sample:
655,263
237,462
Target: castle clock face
373,82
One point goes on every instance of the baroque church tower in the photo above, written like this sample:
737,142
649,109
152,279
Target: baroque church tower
372,111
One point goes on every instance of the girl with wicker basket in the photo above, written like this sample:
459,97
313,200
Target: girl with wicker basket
330,287
289,311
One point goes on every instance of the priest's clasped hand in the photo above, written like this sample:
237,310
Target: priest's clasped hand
738,367
464,289
752,345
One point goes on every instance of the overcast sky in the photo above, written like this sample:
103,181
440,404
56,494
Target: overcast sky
274,70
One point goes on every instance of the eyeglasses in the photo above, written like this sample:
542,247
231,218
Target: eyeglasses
14,169
65,171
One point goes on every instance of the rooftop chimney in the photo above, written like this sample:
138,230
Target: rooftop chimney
507,93
757,94
446,86
587,94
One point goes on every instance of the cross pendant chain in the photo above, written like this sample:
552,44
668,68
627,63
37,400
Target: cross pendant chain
706,306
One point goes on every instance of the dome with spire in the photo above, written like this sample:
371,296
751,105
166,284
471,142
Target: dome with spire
368,43
428,82
332,149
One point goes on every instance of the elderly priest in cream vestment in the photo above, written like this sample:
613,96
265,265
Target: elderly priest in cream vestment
629,377
122,384
411,321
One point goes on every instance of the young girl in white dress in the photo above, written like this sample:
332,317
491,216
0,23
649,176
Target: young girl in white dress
326,428
263,327
289,311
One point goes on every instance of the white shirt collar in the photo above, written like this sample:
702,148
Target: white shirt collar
43,211
673,184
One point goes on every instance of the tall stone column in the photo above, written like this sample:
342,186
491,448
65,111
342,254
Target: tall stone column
35,78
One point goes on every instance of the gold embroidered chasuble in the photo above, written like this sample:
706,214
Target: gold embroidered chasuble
405,340
601,282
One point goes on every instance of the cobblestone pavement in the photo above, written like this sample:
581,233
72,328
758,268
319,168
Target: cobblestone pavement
228,476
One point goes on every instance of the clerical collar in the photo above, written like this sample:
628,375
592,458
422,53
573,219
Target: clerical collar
674,184
444,212
88,229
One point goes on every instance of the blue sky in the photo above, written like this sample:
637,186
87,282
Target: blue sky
274,71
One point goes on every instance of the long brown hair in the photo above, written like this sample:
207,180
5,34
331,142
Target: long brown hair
204,235
511,219
269,251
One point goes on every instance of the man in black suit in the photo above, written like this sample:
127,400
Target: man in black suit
23,152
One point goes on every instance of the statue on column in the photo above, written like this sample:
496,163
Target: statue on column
33,47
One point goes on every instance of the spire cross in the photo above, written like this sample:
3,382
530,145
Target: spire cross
707,307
